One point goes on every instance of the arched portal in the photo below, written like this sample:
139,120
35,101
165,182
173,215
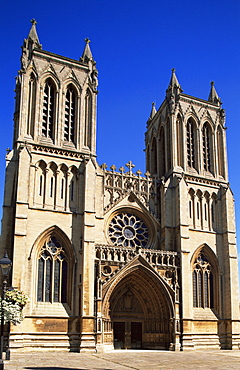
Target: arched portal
140,310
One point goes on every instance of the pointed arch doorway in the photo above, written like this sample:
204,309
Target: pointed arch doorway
140,310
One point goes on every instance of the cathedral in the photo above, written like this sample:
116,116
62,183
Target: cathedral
111,258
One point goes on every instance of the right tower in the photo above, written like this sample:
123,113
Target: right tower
186,149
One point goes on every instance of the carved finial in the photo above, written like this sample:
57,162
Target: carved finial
212,83
139,172
173,70
87,40
122,169
33,21
104,166
130,165
113,168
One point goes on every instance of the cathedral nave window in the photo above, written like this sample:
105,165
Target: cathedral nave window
48,109
52,273
70,114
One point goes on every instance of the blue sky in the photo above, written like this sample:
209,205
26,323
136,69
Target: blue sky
135,44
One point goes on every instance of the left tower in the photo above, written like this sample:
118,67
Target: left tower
47,194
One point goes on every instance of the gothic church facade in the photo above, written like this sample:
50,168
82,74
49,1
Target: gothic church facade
117,259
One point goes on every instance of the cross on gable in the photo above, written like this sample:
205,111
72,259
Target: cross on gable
130,165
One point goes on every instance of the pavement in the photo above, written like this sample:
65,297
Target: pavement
124,360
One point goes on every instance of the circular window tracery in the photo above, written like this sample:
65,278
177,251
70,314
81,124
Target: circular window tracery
128,230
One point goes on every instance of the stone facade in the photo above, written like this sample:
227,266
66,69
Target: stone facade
116,258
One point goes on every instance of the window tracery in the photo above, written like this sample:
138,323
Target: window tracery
52,272
202,277
128,230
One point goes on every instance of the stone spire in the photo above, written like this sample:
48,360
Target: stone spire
173,91
153,111
174,87
174,81
33,35
213,96
29,44
87,54
152,114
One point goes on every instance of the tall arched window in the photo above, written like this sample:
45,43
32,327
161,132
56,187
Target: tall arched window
191,146
162,157
48,109
52,272
70,114
179,131
202,282
31,104
88,120
154,157
220,152
206,142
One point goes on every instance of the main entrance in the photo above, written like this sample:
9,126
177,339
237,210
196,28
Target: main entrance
127,334
139,313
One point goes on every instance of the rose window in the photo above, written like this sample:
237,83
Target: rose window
128,230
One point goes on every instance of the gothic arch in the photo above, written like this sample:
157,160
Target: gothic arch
49,108
220,152
204,264
153,158
55,238
161,151
88,102
180,145
192,143
207,147
152,303
71,112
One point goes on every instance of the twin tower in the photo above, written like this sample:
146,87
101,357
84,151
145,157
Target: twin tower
114,258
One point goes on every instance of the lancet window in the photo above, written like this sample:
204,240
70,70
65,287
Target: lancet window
154,157
52,272
70,114
48,109
162,157
179,141
88,120
31,104
191,149
202,282
206,136
220,152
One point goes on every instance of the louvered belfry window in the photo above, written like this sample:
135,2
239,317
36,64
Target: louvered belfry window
206,148
191,160
48,109
70,114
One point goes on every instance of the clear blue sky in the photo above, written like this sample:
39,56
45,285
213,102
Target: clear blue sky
135,44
